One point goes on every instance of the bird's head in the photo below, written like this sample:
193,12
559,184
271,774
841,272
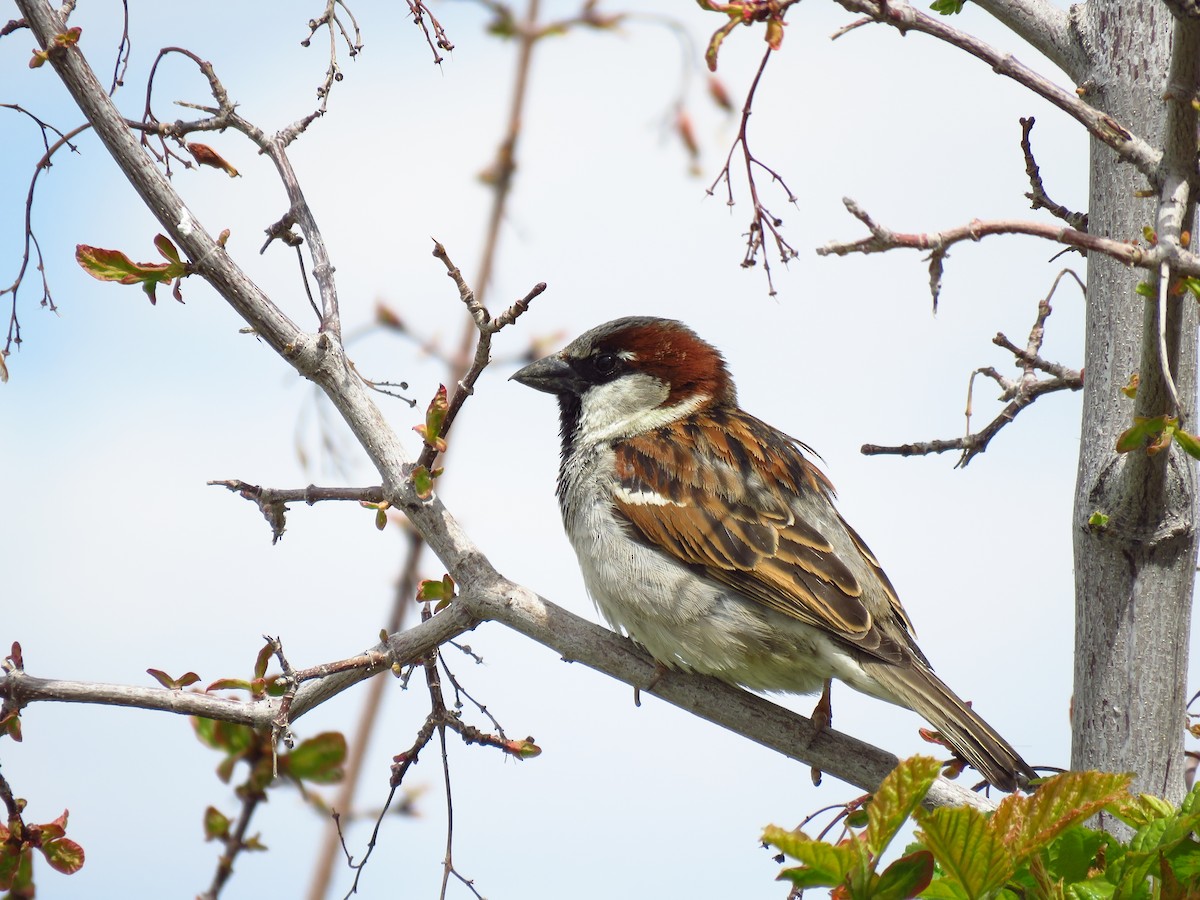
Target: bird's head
630,376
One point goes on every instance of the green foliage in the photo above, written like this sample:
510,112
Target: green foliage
1034,845
1155,435
947,7
442,591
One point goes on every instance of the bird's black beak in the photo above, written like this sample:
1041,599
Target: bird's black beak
552,374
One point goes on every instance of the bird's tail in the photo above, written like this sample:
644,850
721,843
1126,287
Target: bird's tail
918,688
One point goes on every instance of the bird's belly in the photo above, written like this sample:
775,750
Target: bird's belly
686,621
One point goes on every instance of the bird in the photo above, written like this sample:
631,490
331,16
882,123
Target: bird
712,539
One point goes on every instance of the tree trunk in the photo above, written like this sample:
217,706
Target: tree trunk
1134,575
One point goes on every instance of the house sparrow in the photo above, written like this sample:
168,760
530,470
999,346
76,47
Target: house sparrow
712,540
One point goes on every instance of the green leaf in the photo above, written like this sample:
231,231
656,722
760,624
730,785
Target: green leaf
216,824
522,749
714,43
63,855
967,849
113,265
947,7
263,659
1185,861
318,759
899,794
380,518
435,418
174,684
905,878
228,737
442,590
1191,284
1188,443
824,865
423,480
167,249
1092,889
1150,434
1072,855
945,889
1146,289
1028,823
10,864
228,684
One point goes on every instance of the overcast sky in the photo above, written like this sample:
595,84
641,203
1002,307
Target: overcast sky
117,557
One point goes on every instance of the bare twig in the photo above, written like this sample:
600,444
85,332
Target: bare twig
31,242
234,842
121,65
272,501
486,327
762,220
1019,392
436,39
331,20
1038,198
938,243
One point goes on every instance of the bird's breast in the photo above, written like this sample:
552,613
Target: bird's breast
684,619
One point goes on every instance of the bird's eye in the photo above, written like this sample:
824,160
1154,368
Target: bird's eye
605,363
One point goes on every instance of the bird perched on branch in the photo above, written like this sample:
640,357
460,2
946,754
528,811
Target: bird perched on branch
712,540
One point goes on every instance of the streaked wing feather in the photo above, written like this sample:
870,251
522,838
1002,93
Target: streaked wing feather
756,545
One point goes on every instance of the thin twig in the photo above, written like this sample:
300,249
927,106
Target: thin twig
1019,393
762,220
1038,198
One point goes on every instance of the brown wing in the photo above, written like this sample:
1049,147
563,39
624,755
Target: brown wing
737,519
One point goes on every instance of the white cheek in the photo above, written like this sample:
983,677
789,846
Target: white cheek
629,405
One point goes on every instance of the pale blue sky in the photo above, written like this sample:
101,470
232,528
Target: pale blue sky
117,557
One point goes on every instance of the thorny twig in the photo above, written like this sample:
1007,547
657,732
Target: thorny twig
1020,392
762,220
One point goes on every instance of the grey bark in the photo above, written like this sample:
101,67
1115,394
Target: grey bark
1134,577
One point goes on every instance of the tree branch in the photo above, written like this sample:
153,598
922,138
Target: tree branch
486,595
903,17
1047,29
939,243
576,639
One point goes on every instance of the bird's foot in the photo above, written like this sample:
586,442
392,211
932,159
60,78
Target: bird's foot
822,714
659,671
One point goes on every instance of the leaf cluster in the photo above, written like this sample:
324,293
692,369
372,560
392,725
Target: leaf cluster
18,841
1034,845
